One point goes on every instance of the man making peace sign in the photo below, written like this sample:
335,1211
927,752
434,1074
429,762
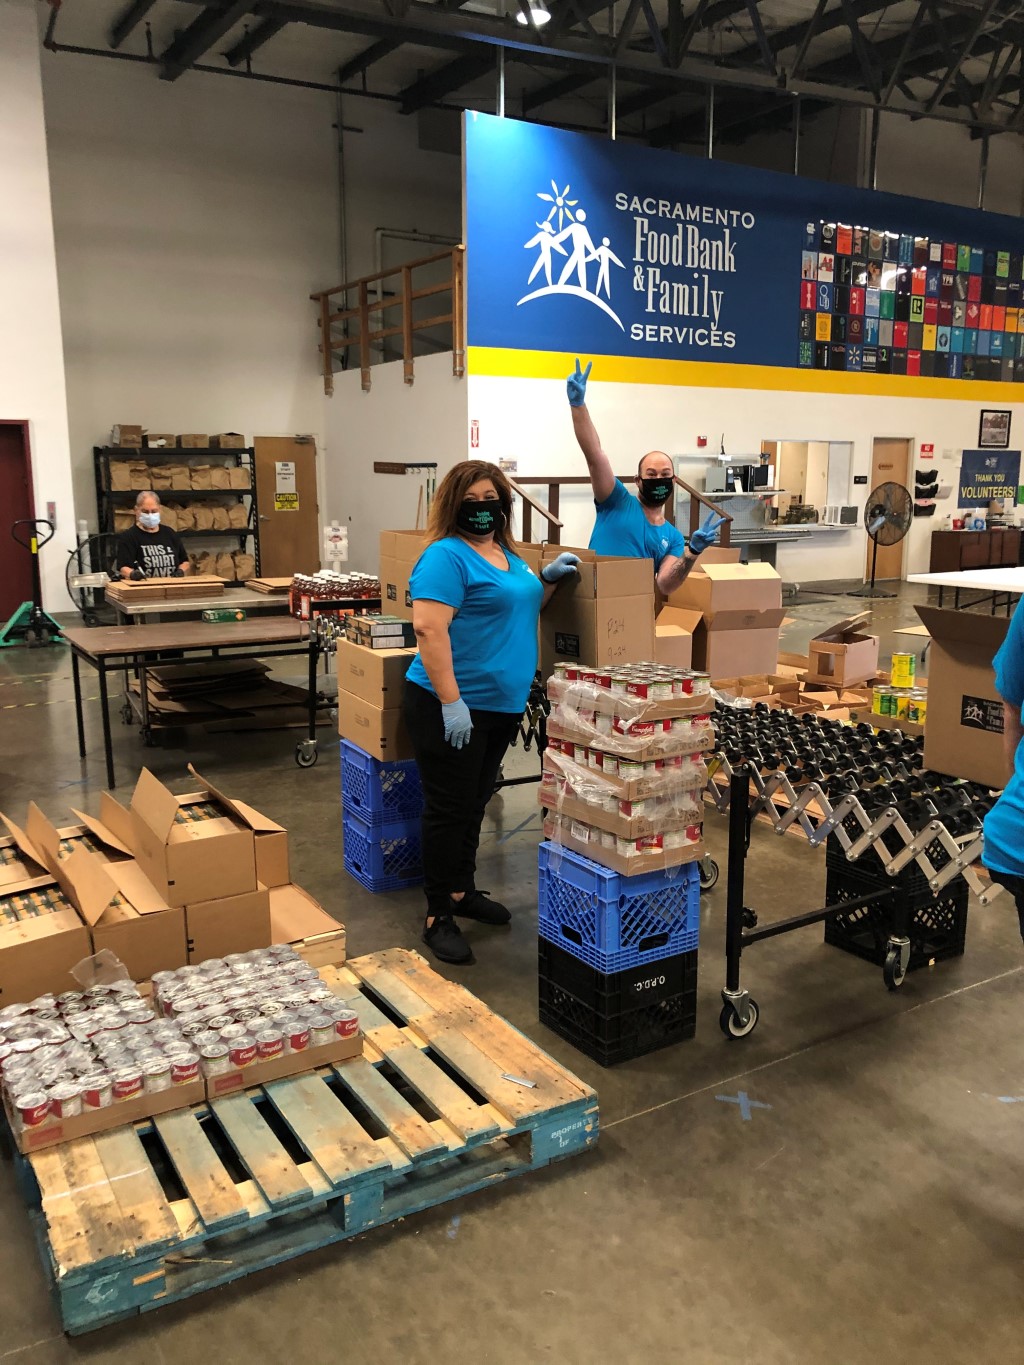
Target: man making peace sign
635,526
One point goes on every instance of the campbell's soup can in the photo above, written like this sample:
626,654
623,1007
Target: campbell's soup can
269,1044
33,1108
296,1032
242,1051
184,1068
126,1083
97,1091
346,1023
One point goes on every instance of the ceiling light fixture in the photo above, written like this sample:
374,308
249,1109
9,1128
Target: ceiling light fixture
536,12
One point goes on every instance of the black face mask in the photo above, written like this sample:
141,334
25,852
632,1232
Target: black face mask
655,492
479,518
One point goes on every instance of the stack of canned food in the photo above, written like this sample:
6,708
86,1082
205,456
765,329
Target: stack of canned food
583,833
904,703
645,681
251,1007
64,1055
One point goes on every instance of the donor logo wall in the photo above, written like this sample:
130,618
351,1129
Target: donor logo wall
575,243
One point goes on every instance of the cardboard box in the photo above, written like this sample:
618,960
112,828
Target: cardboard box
657,861
560,728
228,440
159,440
291,1064
760,686
378,732
193,440
604,614
296,918
125,914
200,860
964,732
843,654
120,1115
399,551
272,868
37,955
234,924
877,722
20,861
626,789
741,612
373,675
127,436
673,636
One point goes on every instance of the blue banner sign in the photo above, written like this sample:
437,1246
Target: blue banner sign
989,474
576,243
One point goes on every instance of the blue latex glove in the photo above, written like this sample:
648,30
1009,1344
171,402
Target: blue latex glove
561,567
706,534
458,724
576,384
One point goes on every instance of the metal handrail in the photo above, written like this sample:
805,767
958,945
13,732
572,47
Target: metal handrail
554,482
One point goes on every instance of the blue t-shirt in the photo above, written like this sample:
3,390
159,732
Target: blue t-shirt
622,529
1004,824
494,630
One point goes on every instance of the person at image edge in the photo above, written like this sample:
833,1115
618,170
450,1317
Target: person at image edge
475,604
1004,825
150,550
635,526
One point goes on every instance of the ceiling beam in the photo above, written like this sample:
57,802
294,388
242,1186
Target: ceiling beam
355,66
128,20
255,38
963,51
767,55
205,30
559,90
471,66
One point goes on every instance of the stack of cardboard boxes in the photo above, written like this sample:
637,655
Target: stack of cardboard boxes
166,881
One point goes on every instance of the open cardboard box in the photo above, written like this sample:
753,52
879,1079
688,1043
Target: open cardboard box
657,861
602,614
230,924
625,826
963,735
843,655
741,613
674,629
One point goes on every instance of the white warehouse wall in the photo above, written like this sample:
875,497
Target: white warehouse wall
528,420
31,354
422,421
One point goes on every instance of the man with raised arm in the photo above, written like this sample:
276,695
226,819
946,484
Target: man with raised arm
634,525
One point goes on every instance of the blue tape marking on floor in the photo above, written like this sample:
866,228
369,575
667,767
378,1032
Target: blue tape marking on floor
1010,1099
526,824
746,1104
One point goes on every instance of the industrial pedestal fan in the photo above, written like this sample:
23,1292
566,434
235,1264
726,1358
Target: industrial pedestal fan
887,516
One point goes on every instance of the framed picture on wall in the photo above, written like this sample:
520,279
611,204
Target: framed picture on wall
994,429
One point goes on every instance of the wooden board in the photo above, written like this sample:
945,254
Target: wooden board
137,1217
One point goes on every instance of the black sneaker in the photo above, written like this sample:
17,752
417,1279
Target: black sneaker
445,941
477,905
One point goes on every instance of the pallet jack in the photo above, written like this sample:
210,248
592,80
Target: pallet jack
29,624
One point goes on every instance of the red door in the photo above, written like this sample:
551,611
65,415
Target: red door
15,503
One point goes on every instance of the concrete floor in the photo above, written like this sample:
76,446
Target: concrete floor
872,1212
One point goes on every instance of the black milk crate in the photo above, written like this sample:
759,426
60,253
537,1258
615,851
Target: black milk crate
613,1016
937,922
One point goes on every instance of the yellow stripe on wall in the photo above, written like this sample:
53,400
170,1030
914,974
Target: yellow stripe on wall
498,362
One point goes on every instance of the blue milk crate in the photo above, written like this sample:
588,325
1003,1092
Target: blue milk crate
383,857
613,922
376,791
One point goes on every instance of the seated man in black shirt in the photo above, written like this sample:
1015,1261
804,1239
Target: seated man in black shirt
150,550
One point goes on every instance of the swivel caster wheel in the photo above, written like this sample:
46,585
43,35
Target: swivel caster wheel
126,714
709,873
148,737
749,918
732,1026
306,753
894,973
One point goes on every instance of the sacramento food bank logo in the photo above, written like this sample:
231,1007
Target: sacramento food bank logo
567,258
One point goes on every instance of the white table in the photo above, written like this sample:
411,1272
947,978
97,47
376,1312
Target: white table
141,613
995,583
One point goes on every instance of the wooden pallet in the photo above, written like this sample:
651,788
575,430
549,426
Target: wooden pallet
148,1215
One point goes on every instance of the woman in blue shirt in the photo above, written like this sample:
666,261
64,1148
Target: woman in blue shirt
1004,824
475,605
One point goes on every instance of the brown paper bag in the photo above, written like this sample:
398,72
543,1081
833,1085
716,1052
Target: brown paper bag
201,476
139,474
160,475
219,476
238,516
120,476
238,478
245,565
225,567
220,518
202,517
169,516
204,562
186,521
181,476
124,519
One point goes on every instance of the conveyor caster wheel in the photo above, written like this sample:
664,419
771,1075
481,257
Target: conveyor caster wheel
731,1024
894,971
709,873
306,753
126,714
148,737
749,918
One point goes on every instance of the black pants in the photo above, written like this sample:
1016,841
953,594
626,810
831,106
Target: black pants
1015,886
457,785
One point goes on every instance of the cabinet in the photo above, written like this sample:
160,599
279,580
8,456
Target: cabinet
109,500
952,551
